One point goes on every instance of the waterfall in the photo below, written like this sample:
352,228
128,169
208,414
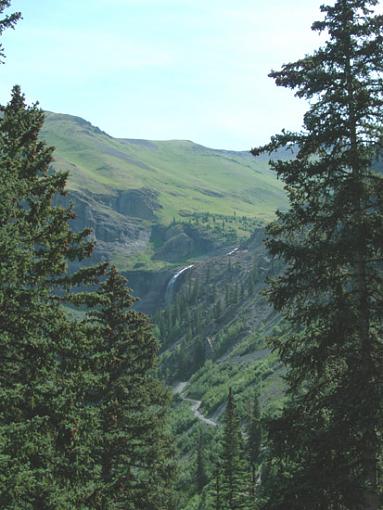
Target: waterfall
172,282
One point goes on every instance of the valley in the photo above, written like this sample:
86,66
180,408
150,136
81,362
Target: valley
185,224
185,327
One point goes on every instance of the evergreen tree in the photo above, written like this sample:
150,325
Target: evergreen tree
217,495
189,335
9,21
200,474
49,419
195,292
242,292
254,439
214,499
227,296
235,293
132,403
250,285
327,442
44,425
233,485
199,354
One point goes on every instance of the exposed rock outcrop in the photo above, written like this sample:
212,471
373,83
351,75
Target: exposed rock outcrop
138,203
113,230
150,286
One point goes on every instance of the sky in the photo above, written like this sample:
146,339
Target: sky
163,69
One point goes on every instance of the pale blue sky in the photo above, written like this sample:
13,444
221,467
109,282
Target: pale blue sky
163,69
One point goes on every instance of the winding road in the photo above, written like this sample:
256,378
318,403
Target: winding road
194,404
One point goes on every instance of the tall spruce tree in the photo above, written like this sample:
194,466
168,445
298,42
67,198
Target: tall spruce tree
327,443
42,422
215,492
134,445
234,477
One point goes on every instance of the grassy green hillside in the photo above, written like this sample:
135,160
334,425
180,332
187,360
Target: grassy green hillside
188,177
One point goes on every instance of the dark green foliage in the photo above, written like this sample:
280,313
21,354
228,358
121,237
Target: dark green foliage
78,400
216,499
254,440
224,227
233,468
9,21
217,309
325,447
135,452
198,353
43,422
200,475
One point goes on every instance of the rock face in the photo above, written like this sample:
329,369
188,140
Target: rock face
114,230
120,226
126,229
150,286
203,242
172,231
134,203
138,203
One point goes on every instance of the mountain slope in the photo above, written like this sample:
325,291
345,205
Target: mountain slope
131,192
185,175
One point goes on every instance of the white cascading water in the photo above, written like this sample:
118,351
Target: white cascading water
172,282
232,251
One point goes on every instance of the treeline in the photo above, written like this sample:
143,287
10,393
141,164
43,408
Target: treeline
82,412
230,227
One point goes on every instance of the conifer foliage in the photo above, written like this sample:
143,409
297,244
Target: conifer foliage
136,466
37,405
76,398
200,474
254,441
229,485
9,21
326,444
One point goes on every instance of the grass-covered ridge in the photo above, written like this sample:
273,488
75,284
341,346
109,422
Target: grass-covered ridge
186,176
